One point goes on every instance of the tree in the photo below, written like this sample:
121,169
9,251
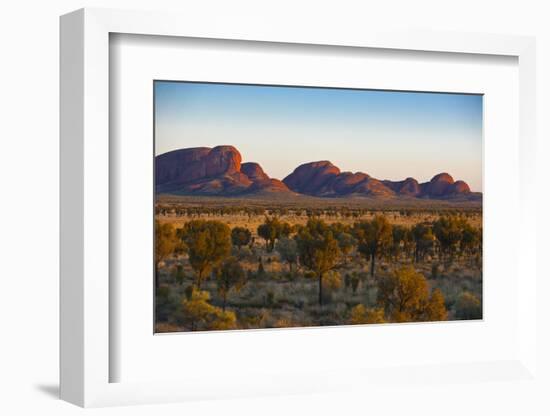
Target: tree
399,239
288,250
318,250
352,280
448,231
468,306
358,315
332,280
346,242
376,316
166,243
179,275
470,239
240,236
405,297
435,308
423,241
273,229
361,315
208,244
373,237
285,229
229,276
198,314
261,270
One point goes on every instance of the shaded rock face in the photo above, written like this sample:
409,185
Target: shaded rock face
439,186
219,171
407,187
459,187
254,171
211,171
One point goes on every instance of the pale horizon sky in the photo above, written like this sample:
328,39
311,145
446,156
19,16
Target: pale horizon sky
387,134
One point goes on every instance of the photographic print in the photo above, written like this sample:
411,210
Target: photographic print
288,206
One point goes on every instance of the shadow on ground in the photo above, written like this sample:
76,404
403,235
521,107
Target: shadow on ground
51,390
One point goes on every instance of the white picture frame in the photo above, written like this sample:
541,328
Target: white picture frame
85,353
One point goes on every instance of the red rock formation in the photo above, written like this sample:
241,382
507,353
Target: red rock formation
407,187
438,186
254,171
311,177
187,165
218,171
459,187
324,179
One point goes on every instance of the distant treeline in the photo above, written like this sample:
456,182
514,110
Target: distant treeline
336,212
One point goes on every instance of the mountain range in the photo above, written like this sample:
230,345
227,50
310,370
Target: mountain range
219,171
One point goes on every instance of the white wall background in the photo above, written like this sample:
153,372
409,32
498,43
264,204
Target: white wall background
29,205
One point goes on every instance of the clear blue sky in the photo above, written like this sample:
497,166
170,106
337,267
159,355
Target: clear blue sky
387,134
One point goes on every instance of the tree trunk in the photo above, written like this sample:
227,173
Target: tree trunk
320,289
372,261
157,282
199,280
224,300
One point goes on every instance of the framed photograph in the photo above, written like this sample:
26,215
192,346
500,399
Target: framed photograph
315,245
309,203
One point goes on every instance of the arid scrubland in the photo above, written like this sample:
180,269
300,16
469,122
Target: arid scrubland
238,264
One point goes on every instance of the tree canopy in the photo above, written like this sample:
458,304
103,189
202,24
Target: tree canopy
208,244
406,297
199,314
273,229
373,236
240,236
318,250
166,244
229,276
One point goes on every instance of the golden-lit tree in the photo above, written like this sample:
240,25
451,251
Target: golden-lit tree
435,307
166,244
208,244
405,297
358,315
361,315
376,316
199,314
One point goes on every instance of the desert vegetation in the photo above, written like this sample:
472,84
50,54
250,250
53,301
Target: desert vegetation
230,264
